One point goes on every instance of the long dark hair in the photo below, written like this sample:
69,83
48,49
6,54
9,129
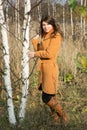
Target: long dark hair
51,21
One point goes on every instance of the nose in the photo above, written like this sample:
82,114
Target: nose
46,26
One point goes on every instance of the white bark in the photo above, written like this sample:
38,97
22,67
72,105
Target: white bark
6,6
71,22
17,19
7,18
7,79
25,59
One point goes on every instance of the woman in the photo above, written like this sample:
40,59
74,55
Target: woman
47,51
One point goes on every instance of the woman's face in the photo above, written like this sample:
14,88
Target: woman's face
46,27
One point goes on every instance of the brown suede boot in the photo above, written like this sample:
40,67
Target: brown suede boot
55,115
58,108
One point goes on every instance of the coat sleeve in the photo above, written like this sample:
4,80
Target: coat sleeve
35,43
52,49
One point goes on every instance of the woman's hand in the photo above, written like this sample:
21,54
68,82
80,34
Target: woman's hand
31,54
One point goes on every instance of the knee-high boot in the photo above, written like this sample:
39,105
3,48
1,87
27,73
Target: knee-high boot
53,104
55,114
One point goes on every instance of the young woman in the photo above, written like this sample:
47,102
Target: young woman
47,51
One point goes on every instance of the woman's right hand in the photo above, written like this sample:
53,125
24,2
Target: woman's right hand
31,54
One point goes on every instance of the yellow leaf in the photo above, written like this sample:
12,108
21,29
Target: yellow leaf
85,110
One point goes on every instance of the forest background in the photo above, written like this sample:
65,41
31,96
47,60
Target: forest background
72,61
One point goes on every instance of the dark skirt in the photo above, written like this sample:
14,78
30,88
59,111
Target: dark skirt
46,97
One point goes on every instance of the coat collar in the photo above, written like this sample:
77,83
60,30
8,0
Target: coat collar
47,35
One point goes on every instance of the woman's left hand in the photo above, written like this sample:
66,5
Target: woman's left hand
31,54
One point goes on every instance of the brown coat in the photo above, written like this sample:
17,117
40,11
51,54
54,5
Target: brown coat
48,67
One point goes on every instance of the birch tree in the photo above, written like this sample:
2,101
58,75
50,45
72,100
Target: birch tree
48,3
39,11
25,59
7,79
6,6
54,8
71,21
17,19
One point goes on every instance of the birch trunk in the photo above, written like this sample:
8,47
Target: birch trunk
7,79
6,6
54,8
17,19
71,22
25,59
39,11
7,18
48,2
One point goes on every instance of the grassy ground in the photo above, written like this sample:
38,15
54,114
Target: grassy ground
72,96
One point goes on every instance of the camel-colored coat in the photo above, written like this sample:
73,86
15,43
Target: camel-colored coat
48,68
